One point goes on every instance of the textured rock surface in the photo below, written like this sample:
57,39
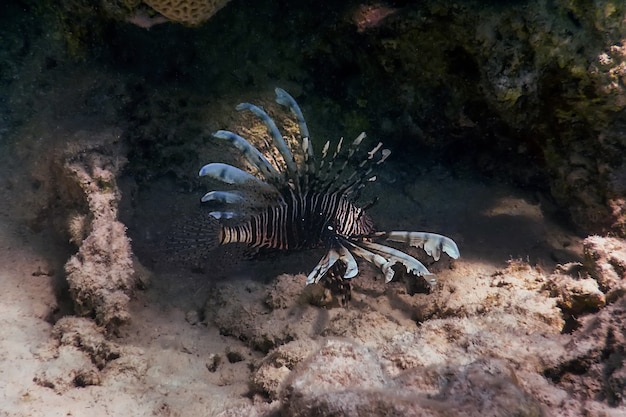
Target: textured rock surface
605,258
347,379
101,276
79,355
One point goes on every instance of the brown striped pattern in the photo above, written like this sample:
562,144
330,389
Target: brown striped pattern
304,221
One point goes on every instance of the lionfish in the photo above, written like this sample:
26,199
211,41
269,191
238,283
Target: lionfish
305,202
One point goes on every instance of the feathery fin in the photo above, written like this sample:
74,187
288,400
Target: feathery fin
201,235
285,99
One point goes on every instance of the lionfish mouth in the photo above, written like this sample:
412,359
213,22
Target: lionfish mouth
301,201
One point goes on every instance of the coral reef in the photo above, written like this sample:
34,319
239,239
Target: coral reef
537,83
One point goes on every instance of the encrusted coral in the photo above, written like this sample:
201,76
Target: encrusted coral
190,12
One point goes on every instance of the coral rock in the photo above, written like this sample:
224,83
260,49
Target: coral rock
605,258
190,12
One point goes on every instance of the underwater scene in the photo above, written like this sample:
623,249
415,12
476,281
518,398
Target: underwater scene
277,209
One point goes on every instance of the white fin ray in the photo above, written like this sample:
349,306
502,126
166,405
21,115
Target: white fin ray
224,214
231,175
411,264
226,197
277,137
285,99
251,153
325,151
351,267
432,243
384,155
323,266
323,176
380,262
354,146
359,177
332,256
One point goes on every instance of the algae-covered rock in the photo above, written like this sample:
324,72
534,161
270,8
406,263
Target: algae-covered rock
532,92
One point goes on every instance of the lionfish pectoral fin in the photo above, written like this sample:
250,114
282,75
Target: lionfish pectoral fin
411,264
380,262
346,257
332,256
432,243
323,266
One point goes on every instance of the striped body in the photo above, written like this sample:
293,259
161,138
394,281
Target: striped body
305,202
303,222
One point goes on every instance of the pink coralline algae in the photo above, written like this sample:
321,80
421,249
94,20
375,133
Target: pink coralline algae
370,16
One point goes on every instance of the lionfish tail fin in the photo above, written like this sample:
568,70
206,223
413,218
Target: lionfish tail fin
194,238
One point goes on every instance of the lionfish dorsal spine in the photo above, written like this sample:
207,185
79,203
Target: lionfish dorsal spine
252,154
229,174
277,138
285,99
